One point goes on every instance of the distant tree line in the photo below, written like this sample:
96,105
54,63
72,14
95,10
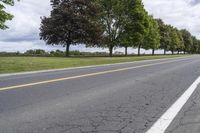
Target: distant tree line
56,53
110,24
59,53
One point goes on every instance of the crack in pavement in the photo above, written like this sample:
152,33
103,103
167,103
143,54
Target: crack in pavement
128,111
188,120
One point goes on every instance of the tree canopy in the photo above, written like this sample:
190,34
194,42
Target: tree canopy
71,22
111,24
152,39
174,44
112,18
187,38
137,24
4,16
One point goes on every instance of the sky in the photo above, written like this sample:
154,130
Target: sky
23,33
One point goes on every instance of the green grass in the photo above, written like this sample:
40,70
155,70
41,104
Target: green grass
22,64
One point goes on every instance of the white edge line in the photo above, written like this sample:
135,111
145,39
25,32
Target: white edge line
166,119
93,66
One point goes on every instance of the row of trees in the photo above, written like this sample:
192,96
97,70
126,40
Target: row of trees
56,53
172,39
110,24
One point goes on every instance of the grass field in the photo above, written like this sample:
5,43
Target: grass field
22,64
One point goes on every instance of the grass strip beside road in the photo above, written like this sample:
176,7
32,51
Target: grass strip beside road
84,75
25,64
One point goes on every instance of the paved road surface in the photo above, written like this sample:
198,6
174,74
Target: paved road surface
124,98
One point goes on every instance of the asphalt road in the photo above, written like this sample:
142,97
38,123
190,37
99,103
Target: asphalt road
123,98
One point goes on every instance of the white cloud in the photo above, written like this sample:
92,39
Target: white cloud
179,13
24,28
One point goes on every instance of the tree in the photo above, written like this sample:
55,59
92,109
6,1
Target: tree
123,40
152,39
198,51
195,46
187,38
70,23
180,47
174,40
164,35
181,44
4,16
137,24
36,52
124,43
55,3
112,17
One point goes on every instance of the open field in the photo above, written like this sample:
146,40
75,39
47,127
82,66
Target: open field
23,64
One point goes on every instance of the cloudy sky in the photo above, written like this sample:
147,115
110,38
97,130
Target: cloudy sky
24,28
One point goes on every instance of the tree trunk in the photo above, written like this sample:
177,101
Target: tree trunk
67,50
139,47
165,51
111,51
126,51
172,52
153,51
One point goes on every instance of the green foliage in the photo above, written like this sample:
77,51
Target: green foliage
180,46
36,52
4,16
57,53
175,41
164,35
137,24
112,18
196,45
111,24
152,39
71,22
187,38
8,2
55,3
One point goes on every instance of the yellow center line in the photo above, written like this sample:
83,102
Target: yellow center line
84,75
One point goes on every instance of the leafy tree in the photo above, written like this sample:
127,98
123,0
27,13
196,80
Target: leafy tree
180,47
112,17
174,40
55,3
198,51
164,35
187,38
152,39
137,24
4,16
35,52
195,46
29,52
40,52
57,53
123,41
70,23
